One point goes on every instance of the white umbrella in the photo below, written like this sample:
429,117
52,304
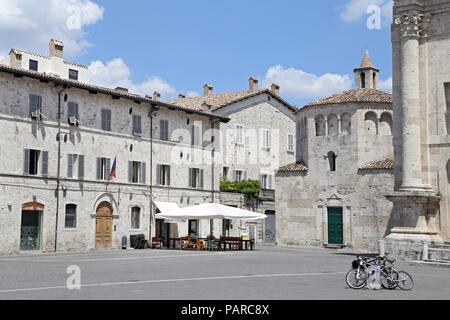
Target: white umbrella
212,211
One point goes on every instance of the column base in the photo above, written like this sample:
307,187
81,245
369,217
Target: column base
414,220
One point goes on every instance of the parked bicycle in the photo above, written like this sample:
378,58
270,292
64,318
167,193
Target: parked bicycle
391,278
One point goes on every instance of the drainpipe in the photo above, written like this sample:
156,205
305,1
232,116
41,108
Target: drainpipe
153,109
58,175
213,138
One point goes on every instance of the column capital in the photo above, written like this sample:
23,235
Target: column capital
413,25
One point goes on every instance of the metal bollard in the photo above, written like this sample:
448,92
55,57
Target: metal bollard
425,251
381,248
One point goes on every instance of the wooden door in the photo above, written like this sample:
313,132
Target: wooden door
335,226
103,229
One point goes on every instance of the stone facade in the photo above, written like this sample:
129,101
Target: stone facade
338,141
421,78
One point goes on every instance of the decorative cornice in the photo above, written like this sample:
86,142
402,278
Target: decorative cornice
414,24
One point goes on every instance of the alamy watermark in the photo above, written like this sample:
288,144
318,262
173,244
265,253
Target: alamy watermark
74,280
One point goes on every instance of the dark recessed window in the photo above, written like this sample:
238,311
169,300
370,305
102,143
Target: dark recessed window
73,74
33,65
71,216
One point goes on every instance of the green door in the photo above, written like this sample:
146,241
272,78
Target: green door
335,226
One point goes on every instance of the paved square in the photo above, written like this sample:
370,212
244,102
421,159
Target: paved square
267,273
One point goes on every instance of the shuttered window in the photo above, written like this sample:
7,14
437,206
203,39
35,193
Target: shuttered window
196,178
135,217
290,142
74,163
72,113
31,162
106,120
137,172
195,135
103,168
164,130
163,175
137,128
239,134
35,106
266,138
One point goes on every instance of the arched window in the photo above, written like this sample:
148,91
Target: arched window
320,125
370,123
135,217
385,124
332,161
71,216
363,80
346,124
333,125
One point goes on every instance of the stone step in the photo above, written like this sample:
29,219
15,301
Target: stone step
334,246
434,263
439,254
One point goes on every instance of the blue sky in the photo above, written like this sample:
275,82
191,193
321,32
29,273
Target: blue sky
177,46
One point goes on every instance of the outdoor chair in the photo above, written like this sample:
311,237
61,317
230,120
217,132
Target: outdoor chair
157,242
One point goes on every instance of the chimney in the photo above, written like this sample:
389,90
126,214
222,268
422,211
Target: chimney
121,89
208,90
253,84
181,96
275,89
156,96
15,58
56,49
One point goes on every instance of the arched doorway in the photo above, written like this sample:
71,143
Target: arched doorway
103,226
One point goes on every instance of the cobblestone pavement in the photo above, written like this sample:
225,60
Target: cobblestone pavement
269,273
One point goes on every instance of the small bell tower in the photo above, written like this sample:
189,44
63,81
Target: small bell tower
366,76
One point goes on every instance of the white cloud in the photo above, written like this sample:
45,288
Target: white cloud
30,25
355,10
116,73
386,85
298,84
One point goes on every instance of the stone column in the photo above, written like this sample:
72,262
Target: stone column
411,30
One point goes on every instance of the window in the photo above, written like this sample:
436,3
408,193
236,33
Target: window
106,119
137,128
240,175
195,141
136,172
266,181
225,173
163,175
266,138
290,142
239,134
196,178
135,217
363,80
164,130
35,107
31,162
332,161
33,65
71,216
72,113
73,74
75,162
103,168
193,227
320,125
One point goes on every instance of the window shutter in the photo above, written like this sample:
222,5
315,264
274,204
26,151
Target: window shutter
143,173
99,168
26,161
244,173
168,175
107,169
69,166
81,167
192,135
158,174
234,175
270,181
130,171
201,178
45,163
166,130
103,119
190,177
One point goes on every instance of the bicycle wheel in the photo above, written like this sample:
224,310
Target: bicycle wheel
389,282
404,280
356,281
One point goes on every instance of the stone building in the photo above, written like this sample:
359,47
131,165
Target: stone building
334,194
421,91
258,139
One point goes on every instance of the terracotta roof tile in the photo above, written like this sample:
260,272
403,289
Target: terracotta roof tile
355,96
219,100
293,167
386,164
